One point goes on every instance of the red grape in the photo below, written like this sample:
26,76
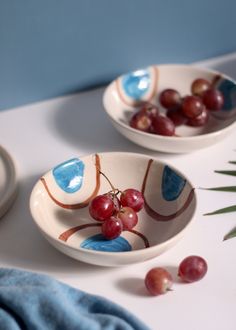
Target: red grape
213,99
132,198
149,109
128,217
158,281
192,268
192,106
115,200
199,86
141,121
177,117
101,207
170,99
200,120
163,125
112,228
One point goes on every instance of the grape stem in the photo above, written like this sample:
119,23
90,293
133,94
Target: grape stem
115,190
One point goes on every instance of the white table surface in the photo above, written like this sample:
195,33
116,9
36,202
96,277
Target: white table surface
41,135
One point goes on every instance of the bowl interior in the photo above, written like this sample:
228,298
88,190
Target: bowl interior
123,96
59,201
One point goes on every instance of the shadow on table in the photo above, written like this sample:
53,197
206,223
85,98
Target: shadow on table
82,122
23,246
133,285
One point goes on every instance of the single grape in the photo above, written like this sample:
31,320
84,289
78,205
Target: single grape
115,200
128,217
132,198
200,120
199,86
192,106
170,99
149,109
177,117
112,228
141,121
163,125
213,99
158,281
101,207
192,268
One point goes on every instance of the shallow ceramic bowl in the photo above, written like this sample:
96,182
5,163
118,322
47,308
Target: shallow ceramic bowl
59,206
123,96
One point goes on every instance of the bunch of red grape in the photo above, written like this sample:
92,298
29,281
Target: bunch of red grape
192,110
116,213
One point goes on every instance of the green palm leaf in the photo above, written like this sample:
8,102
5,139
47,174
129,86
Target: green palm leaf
227,189
231,234
223,210
233,173
228,209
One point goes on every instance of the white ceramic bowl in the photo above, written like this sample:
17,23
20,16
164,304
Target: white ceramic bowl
8,181
59,200
124,94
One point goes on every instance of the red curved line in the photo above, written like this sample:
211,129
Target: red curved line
144,238
157,216
69,232
215,80
85,202
160,217
133,103
146,175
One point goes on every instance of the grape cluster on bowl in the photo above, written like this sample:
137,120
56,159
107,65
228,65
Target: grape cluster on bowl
117,211
192,110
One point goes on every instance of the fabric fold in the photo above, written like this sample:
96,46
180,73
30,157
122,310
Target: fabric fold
38,302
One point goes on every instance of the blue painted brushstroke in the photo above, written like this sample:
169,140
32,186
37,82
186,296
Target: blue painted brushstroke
136,84
99,243
69,175
172,184
228,88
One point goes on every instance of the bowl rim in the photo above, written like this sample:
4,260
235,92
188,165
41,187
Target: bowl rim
124,254
171,138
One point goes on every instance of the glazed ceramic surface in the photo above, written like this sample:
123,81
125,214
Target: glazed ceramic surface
123,96
59,206
8,181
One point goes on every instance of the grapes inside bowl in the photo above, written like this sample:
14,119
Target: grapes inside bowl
191,107
113,209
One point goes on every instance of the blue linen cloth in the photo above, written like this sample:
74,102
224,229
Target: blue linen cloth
38,302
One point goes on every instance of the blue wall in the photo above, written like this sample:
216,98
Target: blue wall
52,47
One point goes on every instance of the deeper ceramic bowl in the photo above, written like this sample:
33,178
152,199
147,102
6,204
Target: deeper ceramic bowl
59,206
122,97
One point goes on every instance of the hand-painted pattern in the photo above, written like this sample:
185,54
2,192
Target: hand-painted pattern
228,88
97,243
69,175
138,86
172,185
83,203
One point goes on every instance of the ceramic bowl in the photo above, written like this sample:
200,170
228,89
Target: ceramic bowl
123,96
59,206
8,181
